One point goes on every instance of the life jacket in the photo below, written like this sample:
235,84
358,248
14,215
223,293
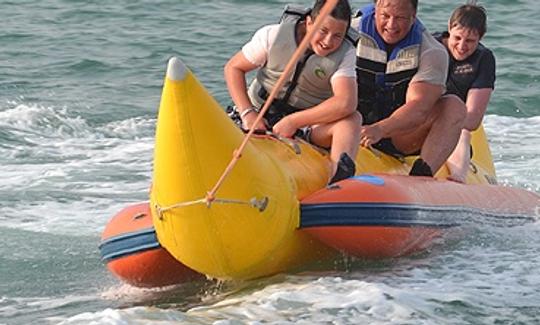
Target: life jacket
383,78
310,84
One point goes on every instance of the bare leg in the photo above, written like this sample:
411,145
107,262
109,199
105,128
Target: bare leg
445,131
438,136
459,160
343,136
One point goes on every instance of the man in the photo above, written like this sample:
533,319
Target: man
402,74
320,96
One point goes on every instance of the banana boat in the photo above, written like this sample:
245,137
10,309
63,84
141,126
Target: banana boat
273,212
254,226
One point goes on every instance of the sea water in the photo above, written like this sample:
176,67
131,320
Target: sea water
80,83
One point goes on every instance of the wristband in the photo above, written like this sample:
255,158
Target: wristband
248,110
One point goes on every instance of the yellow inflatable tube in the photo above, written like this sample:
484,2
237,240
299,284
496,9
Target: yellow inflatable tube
249,231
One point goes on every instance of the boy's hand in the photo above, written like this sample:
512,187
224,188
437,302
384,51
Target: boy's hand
285,127
249,120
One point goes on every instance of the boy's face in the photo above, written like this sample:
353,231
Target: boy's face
329,36
462,42
394,19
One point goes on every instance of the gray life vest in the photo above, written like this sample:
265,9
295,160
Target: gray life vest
310,84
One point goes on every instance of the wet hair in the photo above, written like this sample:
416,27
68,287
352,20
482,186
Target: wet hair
342,10
414,3
470,16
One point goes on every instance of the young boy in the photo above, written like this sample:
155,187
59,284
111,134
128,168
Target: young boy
471,77
320,97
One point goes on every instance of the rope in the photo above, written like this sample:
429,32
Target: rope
325,11
260,204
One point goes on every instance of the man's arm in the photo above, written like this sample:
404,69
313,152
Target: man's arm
421,98
426,87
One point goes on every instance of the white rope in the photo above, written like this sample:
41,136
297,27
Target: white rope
259,204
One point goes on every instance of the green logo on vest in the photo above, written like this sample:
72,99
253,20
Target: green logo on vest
320,73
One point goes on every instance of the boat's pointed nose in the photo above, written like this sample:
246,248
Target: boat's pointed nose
176,69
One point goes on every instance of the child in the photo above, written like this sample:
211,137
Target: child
471,77
320,97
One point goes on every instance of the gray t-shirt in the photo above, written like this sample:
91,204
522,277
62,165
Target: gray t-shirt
433,65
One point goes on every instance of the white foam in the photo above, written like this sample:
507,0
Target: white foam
135,316
317,301
37,121
515,144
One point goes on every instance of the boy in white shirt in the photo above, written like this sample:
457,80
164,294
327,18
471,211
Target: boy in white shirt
320,96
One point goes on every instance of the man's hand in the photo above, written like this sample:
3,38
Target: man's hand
370,135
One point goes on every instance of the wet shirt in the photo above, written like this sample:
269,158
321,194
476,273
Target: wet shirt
477,71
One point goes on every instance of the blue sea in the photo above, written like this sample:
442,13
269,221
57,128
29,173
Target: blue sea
80,84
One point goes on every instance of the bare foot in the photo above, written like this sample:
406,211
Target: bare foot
453,178
457,173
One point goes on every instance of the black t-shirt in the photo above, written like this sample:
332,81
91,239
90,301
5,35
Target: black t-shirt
476,71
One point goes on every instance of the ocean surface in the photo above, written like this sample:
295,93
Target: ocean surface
80,83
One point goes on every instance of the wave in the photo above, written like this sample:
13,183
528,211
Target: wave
515,143
33,122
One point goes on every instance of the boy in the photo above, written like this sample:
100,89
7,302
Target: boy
320,96
471,76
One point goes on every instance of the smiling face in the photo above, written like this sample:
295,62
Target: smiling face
394,19
329,36
462,42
